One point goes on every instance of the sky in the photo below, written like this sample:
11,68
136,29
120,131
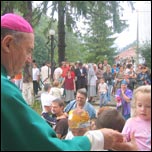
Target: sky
129,35
143,13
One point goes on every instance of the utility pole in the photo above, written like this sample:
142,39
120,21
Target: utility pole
137,50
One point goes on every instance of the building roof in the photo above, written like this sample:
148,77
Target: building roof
131,52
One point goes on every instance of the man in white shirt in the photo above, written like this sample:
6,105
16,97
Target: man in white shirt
36,78
57,72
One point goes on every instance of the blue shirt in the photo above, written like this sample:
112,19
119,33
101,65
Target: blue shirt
114,70
87,106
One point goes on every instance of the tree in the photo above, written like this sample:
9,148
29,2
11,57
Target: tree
75,50
69,13
42,50
61,30
24,7
7,7
145,51
98,39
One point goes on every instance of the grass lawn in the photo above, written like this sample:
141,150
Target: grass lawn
37,106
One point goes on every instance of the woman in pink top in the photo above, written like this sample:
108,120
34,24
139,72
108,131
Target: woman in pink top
140,122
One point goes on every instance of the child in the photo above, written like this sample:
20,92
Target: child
110,118
140,122
100,110
79,123
56,90
102,90
46,101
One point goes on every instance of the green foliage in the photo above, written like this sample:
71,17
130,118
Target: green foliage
119,25
95,45
98,39
42,42
145,51
75,49
73,11
10,6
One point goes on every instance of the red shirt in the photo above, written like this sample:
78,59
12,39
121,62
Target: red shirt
73,74
68,83
18,76
64,70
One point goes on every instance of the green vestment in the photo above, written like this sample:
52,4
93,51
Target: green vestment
22,129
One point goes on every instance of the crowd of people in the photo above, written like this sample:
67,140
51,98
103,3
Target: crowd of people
100,79
68,120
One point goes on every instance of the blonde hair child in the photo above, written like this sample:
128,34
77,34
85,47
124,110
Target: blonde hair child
140,122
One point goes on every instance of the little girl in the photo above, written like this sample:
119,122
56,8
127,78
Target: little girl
140,122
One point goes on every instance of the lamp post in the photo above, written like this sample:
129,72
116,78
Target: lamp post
52,33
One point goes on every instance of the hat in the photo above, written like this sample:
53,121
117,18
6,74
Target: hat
78,118
15,22
124,82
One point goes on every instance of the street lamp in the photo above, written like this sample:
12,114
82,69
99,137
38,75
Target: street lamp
52,33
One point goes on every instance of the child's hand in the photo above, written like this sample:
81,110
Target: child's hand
127,146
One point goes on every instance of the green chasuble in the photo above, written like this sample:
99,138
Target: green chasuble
22,129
